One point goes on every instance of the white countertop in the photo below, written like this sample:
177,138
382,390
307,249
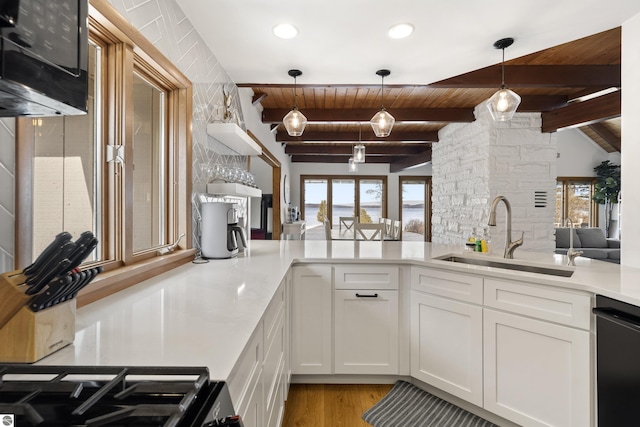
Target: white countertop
204,314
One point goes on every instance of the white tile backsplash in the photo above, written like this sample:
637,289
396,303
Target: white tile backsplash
7,193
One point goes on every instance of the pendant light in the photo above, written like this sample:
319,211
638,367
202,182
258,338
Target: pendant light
504,103
294,121
353,166
359,150
382,122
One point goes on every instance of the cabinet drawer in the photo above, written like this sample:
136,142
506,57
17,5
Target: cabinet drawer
273,365
246,373
461,287
366,277
568,308
271,314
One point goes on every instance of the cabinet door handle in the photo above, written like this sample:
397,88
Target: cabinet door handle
366,295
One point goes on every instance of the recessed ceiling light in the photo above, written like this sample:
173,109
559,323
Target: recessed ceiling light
400,31
285,31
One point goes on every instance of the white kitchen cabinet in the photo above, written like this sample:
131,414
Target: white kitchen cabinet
446,334
366,319
312,320
259,382
274,357
570,308
286,375
245,382
536,373
461,287
366,331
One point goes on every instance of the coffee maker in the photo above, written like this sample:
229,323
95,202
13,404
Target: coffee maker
221,235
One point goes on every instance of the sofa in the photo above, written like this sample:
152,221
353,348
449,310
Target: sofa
591,241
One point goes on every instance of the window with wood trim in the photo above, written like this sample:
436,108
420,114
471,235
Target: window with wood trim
334,196
123,170
574,201
415,207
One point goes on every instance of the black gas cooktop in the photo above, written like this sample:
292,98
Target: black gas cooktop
110,395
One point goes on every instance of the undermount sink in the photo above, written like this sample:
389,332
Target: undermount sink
562,272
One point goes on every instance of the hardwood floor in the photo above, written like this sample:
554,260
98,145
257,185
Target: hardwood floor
331,405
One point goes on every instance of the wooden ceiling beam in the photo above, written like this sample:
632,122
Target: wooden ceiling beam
610,138
583,113
328,86
401,164
354,136
320,158
576,76
258,98
458,115
538,103
347,149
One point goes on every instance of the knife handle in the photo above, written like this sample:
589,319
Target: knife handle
39,302
63,295
94,272
50,250
82,252
37,287
85,239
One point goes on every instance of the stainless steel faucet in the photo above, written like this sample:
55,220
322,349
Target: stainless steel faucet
571,253
509,246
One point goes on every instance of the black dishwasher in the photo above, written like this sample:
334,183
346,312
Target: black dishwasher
618,361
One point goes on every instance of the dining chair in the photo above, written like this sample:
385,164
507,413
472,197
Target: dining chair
396,228
347,221
327,229
388,227
368,231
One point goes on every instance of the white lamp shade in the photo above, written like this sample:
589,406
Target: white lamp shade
294,122
382,123
358,153
353,166
503,104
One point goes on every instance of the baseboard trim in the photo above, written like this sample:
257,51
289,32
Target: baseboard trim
348,379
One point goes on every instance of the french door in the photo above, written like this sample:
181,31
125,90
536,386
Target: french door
336,196
415,207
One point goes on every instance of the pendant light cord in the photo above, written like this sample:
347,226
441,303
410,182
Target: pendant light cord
382,95
503,68
295,100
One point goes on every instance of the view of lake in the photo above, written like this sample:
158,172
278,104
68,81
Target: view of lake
408,213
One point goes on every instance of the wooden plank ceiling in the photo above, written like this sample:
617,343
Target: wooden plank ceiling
553,82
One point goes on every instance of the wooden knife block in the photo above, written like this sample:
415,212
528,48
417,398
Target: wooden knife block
28,336
12,296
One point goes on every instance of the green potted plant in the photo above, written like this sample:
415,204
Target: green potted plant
607,191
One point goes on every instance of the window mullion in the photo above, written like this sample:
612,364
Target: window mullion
119,104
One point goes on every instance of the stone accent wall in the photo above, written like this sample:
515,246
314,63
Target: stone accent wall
475,162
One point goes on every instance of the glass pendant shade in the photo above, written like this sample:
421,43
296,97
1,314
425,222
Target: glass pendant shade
382,123
294,122
503,104
353,166
358,153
